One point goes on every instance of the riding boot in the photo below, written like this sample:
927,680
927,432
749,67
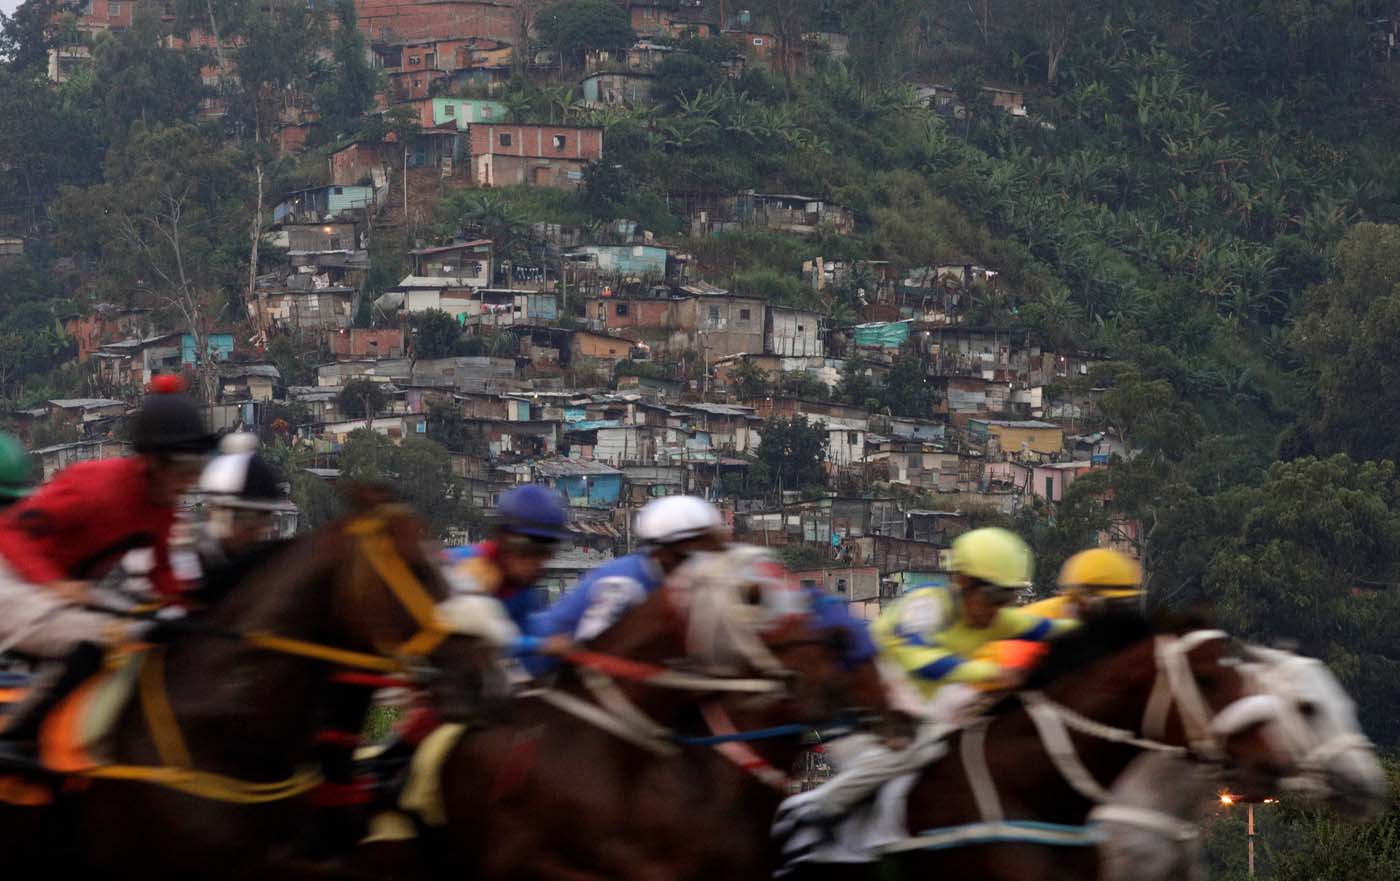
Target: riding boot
52,685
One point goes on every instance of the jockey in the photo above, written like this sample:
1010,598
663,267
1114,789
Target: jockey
530,524
670,529
1090,582
15,470
77,527
239,493
931,633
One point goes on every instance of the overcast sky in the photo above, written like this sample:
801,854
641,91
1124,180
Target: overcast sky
8,5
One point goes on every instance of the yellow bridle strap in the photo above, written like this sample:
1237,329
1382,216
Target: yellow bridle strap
207,785
344,657
160,718
379,551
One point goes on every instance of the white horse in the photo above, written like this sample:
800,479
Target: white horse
1151,824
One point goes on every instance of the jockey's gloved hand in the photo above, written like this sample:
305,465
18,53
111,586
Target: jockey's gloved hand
163,627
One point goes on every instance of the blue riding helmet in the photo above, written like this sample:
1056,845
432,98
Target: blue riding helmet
533,511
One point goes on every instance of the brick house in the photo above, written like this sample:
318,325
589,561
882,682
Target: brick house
385,20
544,155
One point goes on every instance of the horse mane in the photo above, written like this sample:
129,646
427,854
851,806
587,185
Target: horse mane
1099,637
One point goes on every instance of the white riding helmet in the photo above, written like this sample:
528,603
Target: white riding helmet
676,518
240,478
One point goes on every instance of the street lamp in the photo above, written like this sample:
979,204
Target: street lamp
1229,799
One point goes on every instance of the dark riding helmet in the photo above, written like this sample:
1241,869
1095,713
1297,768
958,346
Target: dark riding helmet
169,422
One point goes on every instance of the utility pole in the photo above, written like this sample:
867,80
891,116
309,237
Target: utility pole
1249,814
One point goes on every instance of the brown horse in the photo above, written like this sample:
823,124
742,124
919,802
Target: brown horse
1043,758
587,780
359,591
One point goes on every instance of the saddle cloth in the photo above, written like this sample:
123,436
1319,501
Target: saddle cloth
72,737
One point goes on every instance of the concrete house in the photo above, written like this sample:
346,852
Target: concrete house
728,324
543,155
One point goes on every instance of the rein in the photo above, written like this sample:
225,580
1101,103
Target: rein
176,769
1174,686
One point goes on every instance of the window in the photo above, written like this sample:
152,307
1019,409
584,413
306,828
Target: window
449,110
339,191
840,585
335,243
853,438
114,9
1050,488
559,142
743,314
758,41
621,309
612,351
800,328
505,140
414,59
714,313
431,59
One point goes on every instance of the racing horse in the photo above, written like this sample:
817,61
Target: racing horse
203,771
1151,824
1009,799
592,777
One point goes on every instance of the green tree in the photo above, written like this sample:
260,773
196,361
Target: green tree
1350,342
345,93
435,334
419,469
793,452
907,391
750,382
1315,555
361,399
577,27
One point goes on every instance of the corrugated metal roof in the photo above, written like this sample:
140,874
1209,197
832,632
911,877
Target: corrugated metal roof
573,468
85,403
455,246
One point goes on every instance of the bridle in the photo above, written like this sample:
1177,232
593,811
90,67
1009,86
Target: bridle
1174,686
1310,753
711,619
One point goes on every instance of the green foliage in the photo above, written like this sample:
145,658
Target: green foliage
906,390
577,27
1300,842
289,354
419,470
750,382
797,557
435,334
1350,342
1314,554
793,453
345,93
361,399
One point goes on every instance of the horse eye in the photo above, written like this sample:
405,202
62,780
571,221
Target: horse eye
1308,709
753,595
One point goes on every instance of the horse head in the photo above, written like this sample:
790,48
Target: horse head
391,599
743,615
1198,694
1334,759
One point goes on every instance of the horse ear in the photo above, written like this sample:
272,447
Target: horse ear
365,496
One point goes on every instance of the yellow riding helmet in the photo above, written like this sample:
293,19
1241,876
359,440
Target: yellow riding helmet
1103,572
994,556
